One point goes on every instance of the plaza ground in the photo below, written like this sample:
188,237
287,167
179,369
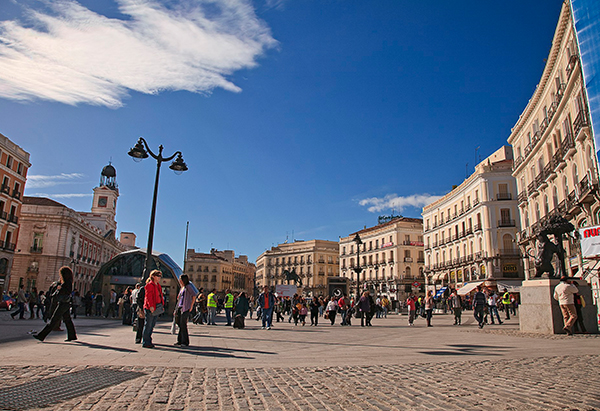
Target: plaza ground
389,366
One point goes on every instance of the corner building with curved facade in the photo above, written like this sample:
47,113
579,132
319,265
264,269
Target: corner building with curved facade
470,233
555,161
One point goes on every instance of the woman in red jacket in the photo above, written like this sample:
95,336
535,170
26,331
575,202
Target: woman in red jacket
153,306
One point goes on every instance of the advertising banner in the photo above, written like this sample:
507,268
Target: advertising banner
586,17
285,290
590,242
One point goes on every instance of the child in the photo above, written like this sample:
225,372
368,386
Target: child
303,312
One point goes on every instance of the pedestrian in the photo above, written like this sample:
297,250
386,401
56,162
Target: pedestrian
493,306
579,303
211,304
154,305
75,303
201,308
343,306
112,304
21,300
242,305
266,302
428,307
228,306
99,302
322,306
506,303
88,300
331,310
185,302
411,304
127,303
314,311
456,302
41,304
385,304
303,313
378,307
32,300
564,293
364,308
62,298
479,303
140,316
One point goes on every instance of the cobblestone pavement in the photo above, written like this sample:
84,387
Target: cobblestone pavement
389,366
543,383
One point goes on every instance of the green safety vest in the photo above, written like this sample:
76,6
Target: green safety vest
229,301
506,298
211,301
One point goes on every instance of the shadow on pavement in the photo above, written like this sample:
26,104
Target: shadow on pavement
469,349
101,347
212,351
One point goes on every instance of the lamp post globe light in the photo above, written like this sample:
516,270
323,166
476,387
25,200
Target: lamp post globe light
357,268
139,152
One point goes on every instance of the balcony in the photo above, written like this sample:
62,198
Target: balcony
36,249
568,145
509,252
571,65
522,196
16,194
475,202
506,223
5,189
580,122
13,219
503,196
478,227
9,246
33,269
420,261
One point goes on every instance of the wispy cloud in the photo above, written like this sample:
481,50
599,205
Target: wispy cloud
70,54
73,195
397,203
40,181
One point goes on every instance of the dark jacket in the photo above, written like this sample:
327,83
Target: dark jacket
271,299
242,306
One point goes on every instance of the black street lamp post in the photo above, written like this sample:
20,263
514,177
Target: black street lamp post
357,268
139,152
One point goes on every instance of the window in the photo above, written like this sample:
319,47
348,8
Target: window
9,161
20,168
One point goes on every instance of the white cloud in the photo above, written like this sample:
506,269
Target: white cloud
40,181
398,203
72,55
73,195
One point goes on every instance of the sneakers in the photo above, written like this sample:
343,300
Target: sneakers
268,328
569,332
262,328
37,337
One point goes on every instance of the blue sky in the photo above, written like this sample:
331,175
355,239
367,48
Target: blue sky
297,119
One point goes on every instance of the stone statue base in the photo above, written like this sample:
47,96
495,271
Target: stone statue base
540,313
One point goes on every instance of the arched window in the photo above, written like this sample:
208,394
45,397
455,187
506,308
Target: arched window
566,187
537,211
546,205
575,176
555,197
408,272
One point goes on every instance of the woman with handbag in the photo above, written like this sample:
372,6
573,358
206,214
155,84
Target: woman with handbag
154,305
62,297
185,302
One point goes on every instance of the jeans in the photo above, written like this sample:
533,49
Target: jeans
212,316
494,309
183,337
20,311
507,309
478,314
411,316
428,315
267,317
148,327
314,317
228,315
343,315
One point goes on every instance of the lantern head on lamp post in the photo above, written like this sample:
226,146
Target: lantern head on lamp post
139,152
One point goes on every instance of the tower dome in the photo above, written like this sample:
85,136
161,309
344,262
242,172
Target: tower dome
108,177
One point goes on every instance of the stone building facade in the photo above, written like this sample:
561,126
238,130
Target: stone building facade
391,256
53,235
555,159
470,233
221,270
313,261
14,163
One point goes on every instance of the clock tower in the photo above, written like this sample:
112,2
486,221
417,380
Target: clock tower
105,197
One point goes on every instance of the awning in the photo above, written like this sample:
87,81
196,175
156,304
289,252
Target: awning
512,286
440,292
467,288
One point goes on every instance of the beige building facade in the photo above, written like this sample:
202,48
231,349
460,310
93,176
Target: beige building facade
470,233
555,159
14,163
221,270
313,261
391,256
53,235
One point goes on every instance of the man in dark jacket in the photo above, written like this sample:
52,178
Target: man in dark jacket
479,302
266,301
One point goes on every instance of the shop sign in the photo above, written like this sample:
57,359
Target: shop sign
509,268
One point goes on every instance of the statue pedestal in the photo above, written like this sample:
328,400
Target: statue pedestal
540,313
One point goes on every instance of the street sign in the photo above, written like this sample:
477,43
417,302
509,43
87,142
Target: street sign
416,284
